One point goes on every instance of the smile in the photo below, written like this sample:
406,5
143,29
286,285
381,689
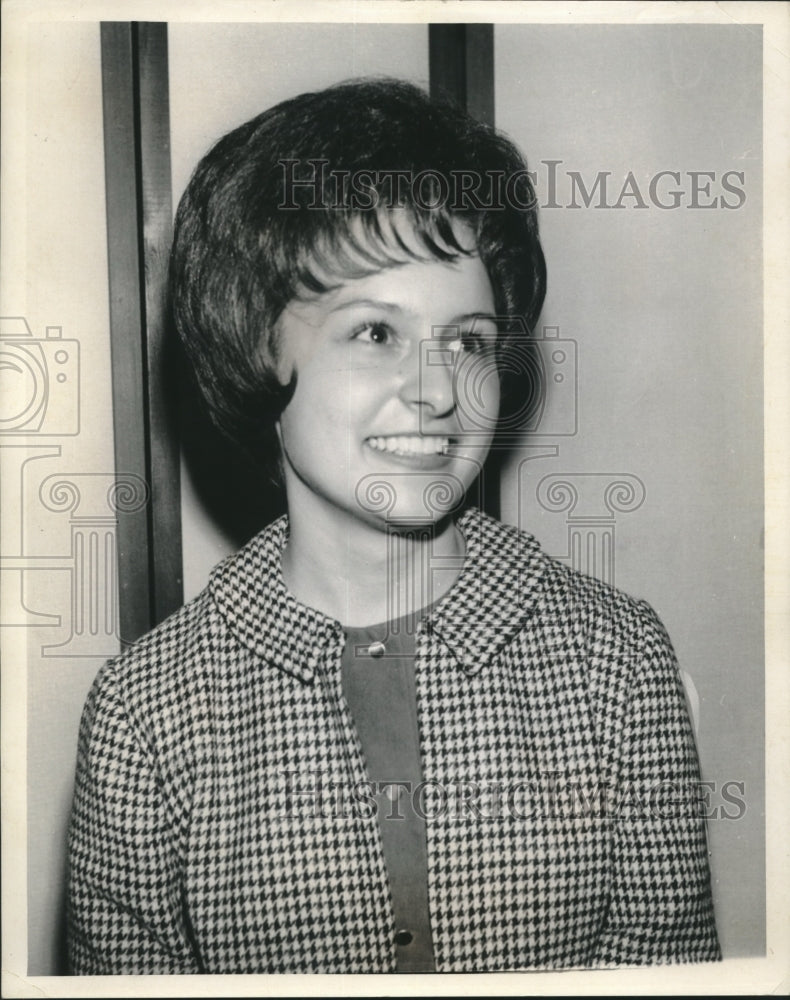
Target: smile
410,444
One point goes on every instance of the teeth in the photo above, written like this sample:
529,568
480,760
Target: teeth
410,445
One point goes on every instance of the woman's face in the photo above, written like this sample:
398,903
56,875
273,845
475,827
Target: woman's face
396,396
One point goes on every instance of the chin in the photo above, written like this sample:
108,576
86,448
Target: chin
411,499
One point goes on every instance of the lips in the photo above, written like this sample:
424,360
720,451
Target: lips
407,445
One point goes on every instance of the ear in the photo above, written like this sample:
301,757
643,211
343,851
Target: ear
282,356
284,370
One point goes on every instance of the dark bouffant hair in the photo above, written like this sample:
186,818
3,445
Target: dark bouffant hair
293,199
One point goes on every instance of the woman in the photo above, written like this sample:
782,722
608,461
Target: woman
392,734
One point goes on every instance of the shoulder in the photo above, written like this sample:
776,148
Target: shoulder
593,651
498,545
605,620
158,687
179,656
608,617
165,680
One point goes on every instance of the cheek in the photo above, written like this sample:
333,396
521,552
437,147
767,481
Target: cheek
478,394
320,412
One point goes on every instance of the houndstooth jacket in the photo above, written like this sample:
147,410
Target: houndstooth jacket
559,792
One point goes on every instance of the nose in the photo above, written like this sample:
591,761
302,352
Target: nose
428,382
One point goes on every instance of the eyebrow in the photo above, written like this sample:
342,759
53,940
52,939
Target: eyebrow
375,303
474,315
395,307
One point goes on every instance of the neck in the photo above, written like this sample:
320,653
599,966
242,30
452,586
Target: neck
363,573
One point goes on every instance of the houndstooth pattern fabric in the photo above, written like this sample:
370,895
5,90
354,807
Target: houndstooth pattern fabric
207,834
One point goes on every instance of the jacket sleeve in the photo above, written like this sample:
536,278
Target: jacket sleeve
124,906
661,909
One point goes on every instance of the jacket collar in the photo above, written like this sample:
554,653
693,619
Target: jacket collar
495,594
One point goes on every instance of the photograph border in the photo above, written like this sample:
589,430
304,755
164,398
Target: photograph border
735,976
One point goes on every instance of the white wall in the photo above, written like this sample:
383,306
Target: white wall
58,278
666,310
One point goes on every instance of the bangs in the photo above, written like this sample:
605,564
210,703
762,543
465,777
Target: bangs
348,245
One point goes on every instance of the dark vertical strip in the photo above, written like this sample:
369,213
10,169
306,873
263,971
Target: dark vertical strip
461,66
139,220
447,62
126,317
166,563
479,63
461,69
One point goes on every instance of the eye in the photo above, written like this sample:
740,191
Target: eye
471,342
374,332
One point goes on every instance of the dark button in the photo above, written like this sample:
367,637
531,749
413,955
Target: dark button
394,791
403,938
376,649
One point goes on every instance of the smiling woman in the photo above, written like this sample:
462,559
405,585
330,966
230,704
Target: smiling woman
366,409
389,718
